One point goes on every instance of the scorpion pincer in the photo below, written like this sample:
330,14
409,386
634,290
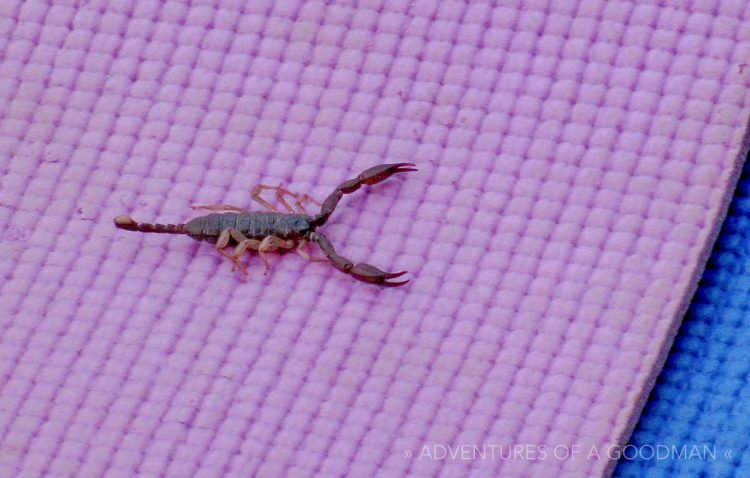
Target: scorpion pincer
272,231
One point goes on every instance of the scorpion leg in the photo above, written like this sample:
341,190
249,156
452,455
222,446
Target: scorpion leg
256,196
280,192
222,242
243,244
363,272
306,255
219,207
271,244
299,199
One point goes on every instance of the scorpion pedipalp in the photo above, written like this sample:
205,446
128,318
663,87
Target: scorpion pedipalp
363,272
369,177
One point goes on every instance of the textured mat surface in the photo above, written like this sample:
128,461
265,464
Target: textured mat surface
697,420
574,165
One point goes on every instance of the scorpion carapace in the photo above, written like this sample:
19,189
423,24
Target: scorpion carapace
266,232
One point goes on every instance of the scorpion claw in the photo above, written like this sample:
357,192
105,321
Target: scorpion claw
368,273
404,167
393,275
379,173
394,284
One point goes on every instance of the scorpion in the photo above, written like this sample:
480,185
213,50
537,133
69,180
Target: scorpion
277,231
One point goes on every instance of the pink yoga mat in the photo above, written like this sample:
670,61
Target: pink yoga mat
575,160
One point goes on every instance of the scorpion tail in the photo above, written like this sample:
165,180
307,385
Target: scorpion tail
363,272
371,176
129,224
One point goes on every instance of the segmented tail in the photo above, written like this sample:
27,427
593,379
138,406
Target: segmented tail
129,224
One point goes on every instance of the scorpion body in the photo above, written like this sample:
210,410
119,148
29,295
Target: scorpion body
277,231
253,225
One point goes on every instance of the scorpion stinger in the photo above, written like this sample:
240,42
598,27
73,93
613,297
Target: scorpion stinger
371,176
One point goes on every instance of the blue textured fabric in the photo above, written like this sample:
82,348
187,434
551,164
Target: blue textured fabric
697,419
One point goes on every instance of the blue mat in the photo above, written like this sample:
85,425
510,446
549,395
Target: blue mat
697,419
